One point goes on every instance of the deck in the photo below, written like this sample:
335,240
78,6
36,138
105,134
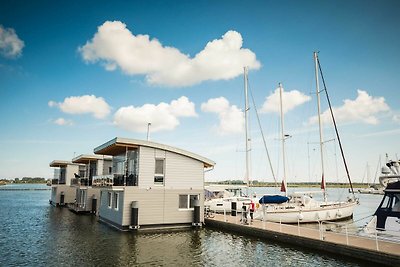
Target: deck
369,249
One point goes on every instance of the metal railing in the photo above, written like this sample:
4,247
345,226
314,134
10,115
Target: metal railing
325,228
115,180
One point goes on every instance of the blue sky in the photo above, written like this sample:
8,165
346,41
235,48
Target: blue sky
74,75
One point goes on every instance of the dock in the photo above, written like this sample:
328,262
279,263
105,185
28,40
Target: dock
367,249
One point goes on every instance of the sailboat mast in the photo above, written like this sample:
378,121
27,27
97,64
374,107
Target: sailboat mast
284,185
246,119
321,140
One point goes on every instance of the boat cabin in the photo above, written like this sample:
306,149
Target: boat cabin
388,212
151,186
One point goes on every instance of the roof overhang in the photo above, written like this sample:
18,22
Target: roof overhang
119,145
60,163
85,159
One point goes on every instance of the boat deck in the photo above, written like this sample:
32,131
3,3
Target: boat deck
368,249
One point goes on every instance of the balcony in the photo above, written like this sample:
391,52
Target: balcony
115,180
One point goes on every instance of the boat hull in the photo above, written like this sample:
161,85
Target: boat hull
287,213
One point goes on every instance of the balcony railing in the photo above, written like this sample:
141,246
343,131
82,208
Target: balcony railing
81,181
115,180
57,181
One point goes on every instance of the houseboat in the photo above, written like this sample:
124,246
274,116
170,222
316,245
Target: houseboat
152,185
64,172
87,197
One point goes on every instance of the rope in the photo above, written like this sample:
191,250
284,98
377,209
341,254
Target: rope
336,130
262,135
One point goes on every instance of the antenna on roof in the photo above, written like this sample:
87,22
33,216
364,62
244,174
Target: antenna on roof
148,130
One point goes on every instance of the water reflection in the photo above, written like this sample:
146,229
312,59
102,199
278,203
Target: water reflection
32,233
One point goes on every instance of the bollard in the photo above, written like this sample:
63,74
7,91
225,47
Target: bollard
233,208
62,197
94,204
134,215
196,213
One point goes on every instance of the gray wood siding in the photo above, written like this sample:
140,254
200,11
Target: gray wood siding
110,213
158,206
180,171
146,167
183,173
69,193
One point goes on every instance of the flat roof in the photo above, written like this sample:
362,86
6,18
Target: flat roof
85,159
61,163
118,146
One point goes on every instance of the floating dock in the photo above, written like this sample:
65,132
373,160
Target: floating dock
373,250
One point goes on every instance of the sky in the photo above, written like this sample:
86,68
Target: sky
74,75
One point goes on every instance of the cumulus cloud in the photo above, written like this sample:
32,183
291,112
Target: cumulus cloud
396,118
290,100
115,46
363,109
162,117
231,118
97,106
63,122
10,45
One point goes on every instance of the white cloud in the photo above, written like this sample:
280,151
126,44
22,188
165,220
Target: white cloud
162,116
396,118
231,118
10,45
84,104
116,46
290,100
63,122
362,109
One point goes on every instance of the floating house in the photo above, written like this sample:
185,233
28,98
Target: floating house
86,196
151,186
64,172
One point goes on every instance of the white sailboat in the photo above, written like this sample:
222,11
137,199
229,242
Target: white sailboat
301,207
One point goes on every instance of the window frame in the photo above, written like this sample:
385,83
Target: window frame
188,201
116,201
109,199
159,175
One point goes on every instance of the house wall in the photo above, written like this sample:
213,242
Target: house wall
159,205
69,194
180,172
110,214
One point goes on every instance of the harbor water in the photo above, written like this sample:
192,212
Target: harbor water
34,233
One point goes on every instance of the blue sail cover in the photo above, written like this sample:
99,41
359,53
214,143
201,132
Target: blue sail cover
276,199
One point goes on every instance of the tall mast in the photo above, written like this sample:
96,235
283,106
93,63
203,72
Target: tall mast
246,119
284,185
321,139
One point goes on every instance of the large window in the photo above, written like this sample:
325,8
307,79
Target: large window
116,201
159,172
187,201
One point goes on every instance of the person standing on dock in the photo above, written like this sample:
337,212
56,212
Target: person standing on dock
252,208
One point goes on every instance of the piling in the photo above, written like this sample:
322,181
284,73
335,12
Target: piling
134,215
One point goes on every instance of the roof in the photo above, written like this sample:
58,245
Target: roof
61,163
85,159
118,146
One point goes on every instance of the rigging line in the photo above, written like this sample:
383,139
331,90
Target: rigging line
262,135
336,130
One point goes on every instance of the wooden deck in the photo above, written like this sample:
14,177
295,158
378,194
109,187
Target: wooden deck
365,248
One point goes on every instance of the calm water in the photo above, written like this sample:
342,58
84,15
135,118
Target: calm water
33,233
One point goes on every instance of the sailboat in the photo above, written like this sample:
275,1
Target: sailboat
301,207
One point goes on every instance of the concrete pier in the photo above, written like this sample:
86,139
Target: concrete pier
364,248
